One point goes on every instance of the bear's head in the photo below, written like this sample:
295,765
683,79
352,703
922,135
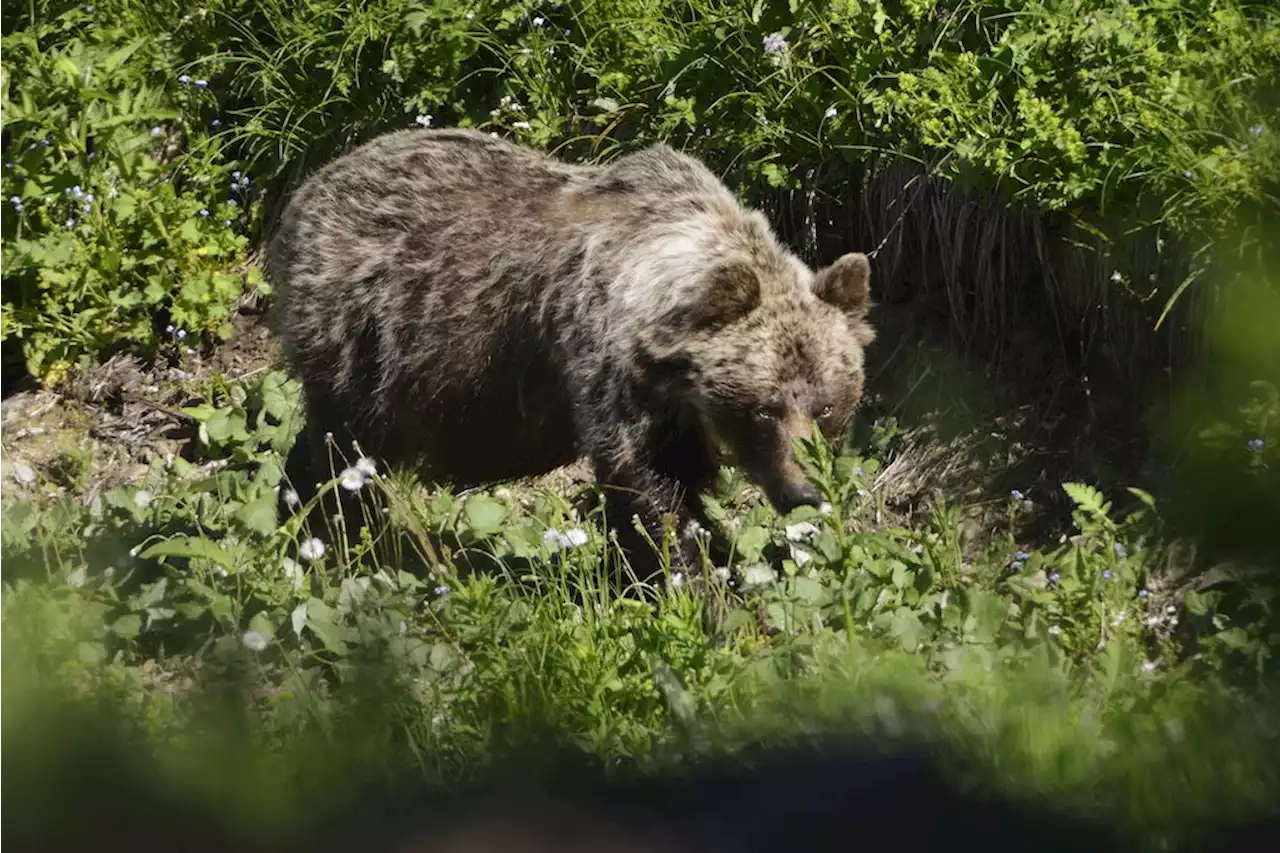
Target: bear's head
768,349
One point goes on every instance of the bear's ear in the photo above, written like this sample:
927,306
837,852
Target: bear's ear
846,284
732,292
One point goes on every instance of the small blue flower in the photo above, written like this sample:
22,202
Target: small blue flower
203,84
232,202
87,208
1142,593
76,192
215,123
1256,445
226,222
1256,130
10,164
15,201
184,79
862,493
442,590
775,43
1119,549
180,334
1054,577
235,176
155,131
45,142
204,211
1106,575
70,223
1022,555
1017,564
1017,495
169,329
89,9
1187,174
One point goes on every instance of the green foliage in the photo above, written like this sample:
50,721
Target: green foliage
120,220
485,623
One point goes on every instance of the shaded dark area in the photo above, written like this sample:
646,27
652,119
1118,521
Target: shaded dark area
92,787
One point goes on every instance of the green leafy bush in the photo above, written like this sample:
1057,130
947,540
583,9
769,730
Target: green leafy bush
121,220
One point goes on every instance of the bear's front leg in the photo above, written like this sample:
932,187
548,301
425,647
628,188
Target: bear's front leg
662,504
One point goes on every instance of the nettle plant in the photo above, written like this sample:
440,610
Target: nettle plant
121,219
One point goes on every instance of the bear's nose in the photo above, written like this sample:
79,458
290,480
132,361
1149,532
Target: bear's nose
798,494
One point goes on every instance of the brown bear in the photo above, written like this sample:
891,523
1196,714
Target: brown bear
480,311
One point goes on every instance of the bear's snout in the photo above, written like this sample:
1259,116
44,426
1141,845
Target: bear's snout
795,494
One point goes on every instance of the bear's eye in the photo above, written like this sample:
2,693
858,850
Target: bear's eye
827,411
764,414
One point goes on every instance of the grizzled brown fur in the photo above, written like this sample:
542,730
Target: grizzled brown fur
481,312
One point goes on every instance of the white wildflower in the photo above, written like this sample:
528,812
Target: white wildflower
254,641
677,580
23,474
539,20
831,112
1149,666
424,120
142,498
352,479
1054,630
521,125
575,537
312,549
291,499
366,466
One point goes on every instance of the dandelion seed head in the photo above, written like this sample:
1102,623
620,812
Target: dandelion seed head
254,641
311,549
351,479
291,499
